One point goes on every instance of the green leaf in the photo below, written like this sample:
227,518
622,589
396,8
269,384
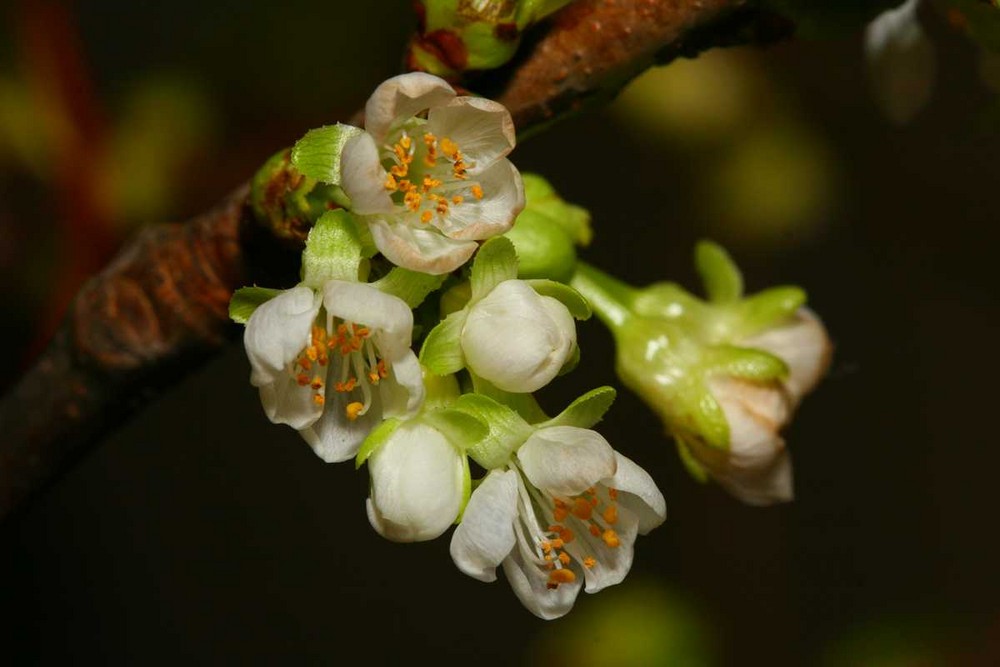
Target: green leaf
317,155
333,250
508,430
246,299
376,438
461,428
722,279
769,308
585,411
578,306
746,363
410,286
495,262
441,353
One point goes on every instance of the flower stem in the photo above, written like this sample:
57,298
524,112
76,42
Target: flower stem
610,298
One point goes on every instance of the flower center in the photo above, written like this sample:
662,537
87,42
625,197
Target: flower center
428,177
548,548
360,365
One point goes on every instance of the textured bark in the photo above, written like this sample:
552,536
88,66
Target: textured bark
160,309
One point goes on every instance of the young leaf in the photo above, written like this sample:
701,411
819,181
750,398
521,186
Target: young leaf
410,286
585,411
578,306
722,279
333,250
441,353
461,428
317,155
495,262
246,299
508,430
769,308
376,438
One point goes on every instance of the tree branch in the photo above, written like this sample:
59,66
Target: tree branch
159,310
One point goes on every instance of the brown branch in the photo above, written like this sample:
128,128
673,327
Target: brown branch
159,310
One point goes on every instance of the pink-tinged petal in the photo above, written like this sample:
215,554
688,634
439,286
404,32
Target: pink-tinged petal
530,585
401,97
424,250
803,344
638,493
486,534
566,460
278,331
482,129
363,178
503,200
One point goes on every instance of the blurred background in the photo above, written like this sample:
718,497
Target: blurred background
201,533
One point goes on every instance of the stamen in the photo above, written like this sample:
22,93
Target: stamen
561,576
611,514
319,399
353,410
477,191
610,538
589,562
426,216
582,509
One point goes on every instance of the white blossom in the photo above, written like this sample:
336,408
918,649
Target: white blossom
429,174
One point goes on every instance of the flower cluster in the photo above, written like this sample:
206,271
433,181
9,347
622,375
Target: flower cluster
417,204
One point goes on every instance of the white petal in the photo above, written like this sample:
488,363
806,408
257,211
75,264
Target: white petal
503,200
566,460
424,250
517,339
363,304
333,436
285,402
803,344
613,563
363,178
638,492
401,97
901,61
764,486
482,129
403,390
486,534
417,479
529,584
278,331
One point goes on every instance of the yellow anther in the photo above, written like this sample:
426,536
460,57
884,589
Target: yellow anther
595,530
564,558
582,509
412,200
312,353
302,379
561,576
611,513
477,191
399,170
373,377
353,410
426,216
430,183
610,538
613,494
317,383
405,141
546,547
318,399
382,370
589,562
457,199
557,543
448,147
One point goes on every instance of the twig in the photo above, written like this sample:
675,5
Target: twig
159,310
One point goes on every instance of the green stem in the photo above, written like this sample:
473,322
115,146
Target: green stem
610,298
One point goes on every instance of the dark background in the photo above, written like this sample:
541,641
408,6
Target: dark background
202,533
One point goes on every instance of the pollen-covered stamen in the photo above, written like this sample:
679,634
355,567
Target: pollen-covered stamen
587,512
360,365
304,367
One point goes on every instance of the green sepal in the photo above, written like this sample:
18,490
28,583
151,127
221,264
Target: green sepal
524,404
333,250
410,286
441,352
507,430
572,362
317,155
720,275
495,262
376,438
466,489
707,417
585,411
666,301
544,249
246,299
694,468
541,199
577,306
455,298
462,429
745,363
769,308
440,391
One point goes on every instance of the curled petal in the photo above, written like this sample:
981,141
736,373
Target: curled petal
486,534
530,586
566,460
363,304
612,563
482,128
402,391
285,402
401,97
333,436
503,200
803,344
417,484
424,250
517,339
277,332
638,493
362,177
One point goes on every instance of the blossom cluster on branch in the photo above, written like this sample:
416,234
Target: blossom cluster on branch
440,289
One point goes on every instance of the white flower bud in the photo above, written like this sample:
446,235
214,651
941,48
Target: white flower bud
517,339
